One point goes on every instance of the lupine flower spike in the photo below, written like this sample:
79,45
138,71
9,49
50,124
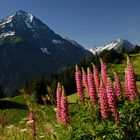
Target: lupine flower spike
80,90
31,122
130,82
104,72
103,101
96,77
91,85
117,86
58,100
126,86
64,108
85,82
3,121
111,100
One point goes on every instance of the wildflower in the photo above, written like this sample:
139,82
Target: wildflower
104,72
78,77
103,101
126,85
58,97
92,90
84,78
3,121
64,108
96,77
117,86
31,121
111,100
130,81
117,118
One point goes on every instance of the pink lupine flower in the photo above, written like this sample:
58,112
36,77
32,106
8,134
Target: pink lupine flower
85,82
117,118
111,99
31,122
131,81
58,100
96,77
64,108
91,85
80,90
3,121
104,72
117,86
126,85
103,101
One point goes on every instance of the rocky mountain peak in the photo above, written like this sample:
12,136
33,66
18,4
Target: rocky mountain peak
116,44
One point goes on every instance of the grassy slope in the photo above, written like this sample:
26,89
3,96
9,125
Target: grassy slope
17,109
14,109
16,114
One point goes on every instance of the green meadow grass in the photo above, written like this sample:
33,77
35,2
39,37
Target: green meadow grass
135,58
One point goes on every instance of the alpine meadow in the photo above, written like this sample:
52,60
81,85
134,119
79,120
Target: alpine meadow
55,88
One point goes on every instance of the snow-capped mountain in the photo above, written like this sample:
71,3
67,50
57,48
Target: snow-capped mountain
117,45
29,47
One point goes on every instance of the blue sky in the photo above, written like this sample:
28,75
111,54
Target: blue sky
89,22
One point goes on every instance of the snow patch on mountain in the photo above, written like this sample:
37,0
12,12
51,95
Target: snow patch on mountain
28,25
45,50
19,14
30,17
3,26
11,25
56,41
25,14
6,20
96,49
9,33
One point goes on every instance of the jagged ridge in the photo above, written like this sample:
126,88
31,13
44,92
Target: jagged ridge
117,45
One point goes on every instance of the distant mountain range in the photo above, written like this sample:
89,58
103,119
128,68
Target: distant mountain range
117,45
29,47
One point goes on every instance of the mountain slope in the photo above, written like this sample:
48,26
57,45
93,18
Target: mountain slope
117,45
29,47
